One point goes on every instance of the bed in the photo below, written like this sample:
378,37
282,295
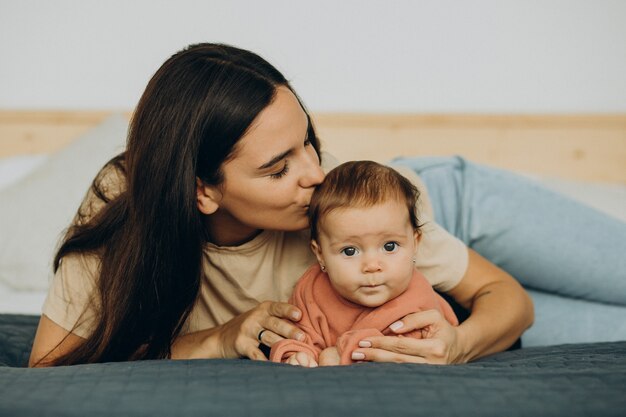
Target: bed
557,372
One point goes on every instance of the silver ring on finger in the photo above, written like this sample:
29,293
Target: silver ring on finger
260,335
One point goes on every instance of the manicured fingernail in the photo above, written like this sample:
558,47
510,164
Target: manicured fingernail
365,344
300,337
397,325
357,356
296,315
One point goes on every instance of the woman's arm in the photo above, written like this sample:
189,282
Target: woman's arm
500,312
500,309
234,339
51,341
239,337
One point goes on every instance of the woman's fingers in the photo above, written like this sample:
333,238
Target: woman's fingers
403,349
277,322
379,355
416,321
435,342
267,323
281,329
283,310
254,353
268,338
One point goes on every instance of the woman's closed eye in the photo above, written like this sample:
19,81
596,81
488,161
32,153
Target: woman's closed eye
285,170
282,172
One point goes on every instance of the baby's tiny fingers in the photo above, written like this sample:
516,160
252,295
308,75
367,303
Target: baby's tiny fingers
305,360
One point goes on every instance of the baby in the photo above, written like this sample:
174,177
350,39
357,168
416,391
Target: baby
365,234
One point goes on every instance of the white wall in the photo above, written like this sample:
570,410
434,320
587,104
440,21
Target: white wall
392,56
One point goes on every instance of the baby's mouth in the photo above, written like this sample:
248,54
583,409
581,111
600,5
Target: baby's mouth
372,286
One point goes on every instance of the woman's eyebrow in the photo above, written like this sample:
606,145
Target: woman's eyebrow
275,159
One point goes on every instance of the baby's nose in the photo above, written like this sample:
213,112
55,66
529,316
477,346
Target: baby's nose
371,264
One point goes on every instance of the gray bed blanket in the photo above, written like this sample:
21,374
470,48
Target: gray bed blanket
566,380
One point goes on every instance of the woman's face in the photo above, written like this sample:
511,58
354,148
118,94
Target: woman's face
269,182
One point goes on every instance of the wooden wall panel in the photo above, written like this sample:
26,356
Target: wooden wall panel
582,147
576,147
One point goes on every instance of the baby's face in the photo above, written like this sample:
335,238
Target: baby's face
368,252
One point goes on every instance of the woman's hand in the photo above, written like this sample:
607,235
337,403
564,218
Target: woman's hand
239,337
500,312
269,320
440,342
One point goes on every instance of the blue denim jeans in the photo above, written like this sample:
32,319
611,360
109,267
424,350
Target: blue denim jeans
571,257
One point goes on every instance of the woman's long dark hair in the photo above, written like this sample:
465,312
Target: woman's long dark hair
149,237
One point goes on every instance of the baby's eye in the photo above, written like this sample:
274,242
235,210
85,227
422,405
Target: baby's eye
390,246
350,251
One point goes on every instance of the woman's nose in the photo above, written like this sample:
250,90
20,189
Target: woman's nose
314,175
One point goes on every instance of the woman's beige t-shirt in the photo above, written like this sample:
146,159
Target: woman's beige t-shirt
236,279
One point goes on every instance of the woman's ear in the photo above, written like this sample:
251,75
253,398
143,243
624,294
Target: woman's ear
317,251
208,197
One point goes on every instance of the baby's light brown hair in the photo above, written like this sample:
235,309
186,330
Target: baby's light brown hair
361,184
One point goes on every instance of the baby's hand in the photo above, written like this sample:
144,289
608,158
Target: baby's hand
329,357
302,359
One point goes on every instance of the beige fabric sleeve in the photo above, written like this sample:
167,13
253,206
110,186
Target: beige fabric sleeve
71,301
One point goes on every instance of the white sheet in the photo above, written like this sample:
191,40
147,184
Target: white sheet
20,302
609,198
12,301
14,168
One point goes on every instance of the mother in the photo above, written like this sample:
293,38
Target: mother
184,237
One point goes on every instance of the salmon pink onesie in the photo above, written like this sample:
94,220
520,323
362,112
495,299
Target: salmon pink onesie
328,319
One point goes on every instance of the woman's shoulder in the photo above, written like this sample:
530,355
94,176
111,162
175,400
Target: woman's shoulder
72,302
108,184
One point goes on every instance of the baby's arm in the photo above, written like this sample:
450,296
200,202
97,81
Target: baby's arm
295,352
305,352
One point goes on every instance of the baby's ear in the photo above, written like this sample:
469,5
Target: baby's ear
208,197
417,235
317,251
